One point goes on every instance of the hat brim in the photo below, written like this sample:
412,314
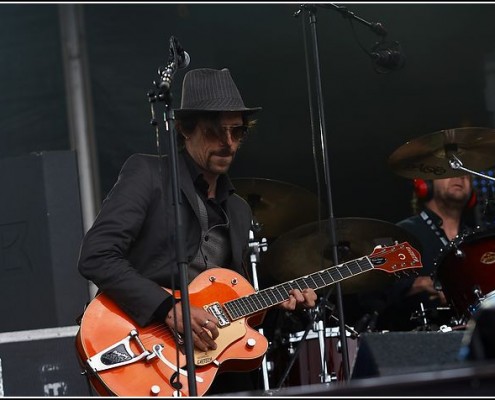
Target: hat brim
245,111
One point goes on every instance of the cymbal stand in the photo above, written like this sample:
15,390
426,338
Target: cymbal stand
319,326
455,163
255,248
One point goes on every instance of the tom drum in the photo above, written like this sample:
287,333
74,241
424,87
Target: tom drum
466,271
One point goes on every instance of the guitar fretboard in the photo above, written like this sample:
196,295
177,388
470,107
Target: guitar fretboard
269,297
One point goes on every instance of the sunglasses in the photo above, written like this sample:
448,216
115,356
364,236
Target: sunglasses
237,132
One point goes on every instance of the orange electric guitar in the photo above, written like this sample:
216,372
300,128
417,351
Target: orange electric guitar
123,359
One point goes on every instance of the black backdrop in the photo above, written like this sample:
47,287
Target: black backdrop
445,84
368,115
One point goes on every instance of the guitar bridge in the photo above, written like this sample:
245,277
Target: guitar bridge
118,354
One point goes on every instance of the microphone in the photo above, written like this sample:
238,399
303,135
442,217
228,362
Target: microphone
387,57
183,58
178,59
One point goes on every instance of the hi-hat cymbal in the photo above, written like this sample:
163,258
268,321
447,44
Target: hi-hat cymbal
277,206
428,156
307,249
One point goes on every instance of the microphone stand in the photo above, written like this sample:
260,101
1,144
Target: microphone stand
169,118
311,9
377,28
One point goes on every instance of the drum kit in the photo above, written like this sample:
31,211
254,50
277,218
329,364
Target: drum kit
299,244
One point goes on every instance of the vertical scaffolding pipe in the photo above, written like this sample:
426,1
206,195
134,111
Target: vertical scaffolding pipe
80,110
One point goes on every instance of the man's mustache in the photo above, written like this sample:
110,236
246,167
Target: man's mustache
224,153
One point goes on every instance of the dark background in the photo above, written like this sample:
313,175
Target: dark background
444,84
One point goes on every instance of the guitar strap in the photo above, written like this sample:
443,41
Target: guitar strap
439,233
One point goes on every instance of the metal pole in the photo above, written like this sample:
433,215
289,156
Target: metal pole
80,111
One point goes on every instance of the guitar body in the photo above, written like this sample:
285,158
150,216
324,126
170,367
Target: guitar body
104,325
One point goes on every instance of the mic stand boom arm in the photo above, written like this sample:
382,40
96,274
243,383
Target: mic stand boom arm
376,27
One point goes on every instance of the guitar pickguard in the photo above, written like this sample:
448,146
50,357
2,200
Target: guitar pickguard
228,335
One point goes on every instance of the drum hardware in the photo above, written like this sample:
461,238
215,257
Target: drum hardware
255,248
353,333
459,253
319,326
455,164
427,315
317,318
478,293
421,315
481,299
307,371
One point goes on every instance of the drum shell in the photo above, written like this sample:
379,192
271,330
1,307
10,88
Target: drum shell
466,271
306,369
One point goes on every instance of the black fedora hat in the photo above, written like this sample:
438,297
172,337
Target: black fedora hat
206,89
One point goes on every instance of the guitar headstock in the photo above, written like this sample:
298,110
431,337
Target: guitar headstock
397,258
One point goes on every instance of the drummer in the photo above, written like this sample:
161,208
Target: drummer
442,210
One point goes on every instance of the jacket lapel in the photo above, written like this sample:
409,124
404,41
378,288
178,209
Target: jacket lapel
187,186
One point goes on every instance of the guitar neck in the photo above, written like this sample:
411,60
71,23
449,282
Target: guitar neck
267,298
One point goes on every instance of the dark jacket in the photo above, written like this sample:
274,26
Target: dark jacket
130,251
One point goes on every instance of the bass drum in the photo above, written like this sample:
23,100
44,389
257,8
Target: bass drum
466,271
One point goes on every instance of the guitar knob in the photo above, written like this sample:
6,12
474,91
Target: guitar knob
251,343
155,390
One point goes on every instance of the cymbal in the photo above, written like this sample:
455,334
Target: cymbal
428,156
307,249
277,206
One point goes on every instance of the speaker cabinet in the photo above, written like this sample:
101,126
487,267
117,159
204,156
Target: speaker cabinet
40,234
41,363
392,353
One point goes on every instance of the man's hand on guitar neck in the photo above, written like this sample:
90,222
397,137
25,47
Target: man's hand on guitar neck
297,299
203,325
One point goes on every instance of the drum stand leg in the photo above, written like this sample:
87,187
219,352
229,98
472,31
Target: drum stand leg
319,326
317,322
255,248
294,356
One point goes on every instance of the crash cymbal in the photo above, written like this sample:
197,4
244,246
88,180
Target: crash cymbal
307,249
277,206
428,156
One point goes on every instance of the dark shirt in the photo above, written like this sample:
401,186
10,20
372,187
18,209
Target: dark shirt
214,206
419,311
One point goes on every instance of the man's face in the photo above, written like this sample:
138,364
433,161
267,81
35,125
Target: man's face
214,148
453,190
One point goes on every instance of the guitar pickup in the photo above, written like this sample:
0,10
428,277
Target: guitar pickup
217,310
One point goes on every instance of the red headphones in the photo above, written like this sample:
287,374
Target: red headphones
424,191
